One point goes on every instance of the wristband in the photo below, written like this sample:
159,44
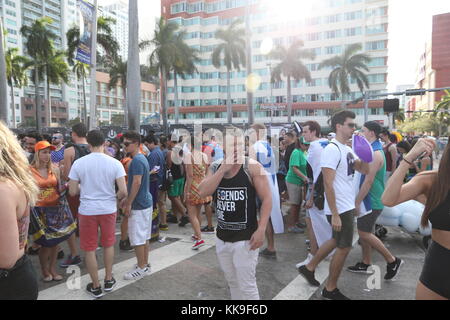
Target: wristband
410,163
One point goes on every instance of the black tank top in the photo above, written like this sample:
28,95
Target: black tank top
236,208
440,217
176,169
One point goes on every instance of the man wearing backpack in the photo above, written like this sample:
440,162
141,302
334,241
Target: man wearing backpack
338,163
319,230
74,151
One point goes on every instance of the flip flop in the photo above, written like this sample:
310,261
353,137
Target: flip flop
48,279
58,278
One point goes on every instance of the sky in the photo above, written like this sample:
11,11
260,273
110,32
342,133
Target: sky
410,23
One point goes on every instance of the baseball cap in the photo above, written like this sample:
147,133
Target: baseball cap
41,145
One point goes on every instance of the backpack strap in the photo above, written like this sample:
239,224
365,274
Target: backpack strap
340,153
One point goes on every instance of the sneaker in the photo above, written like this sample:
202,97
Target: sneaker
183,221
136,273
60,255
333,295
301,225
125,245
268,254
71,261
163,227
172,218
198,244
309,276
194,238
360,267
304,263
393,268
208,230
296,229
110,284
95,292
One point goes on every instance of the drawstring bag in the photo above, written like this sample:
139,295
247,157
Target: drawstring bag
362,148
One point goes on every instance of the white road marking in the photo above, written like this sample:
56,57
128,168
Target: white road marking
160,259
299,288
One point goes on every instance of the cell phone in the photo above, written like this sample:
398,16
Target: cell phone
156,168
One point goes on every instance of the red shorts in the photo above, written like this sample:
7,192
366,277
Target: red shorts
89,231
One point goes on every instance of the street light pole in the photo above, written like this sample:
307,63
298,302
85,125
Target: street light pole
93,101
269,64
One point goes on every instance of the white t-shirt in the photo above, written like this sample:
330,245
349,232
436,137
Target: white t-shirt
315,154
343,182
97,174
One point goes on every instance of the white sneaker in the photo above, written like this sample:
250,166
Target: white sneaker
137,273
304,263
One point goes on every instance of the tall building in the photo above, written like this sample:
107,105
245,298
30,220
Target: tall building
119,11
333,25
433,69
111,102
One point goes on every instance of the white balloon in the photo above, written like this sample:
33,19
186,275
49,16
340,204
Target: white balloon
391,213
410,221
411,206
425,231
388,222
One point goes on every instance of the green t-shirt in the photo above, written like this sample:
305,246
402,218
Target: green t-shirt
298,159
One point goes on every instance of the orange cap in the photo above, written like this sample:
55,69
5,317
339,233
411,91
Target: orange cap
41,145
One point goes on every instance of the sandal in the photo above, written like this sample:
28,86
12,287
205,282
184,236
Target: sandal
58,278
48,278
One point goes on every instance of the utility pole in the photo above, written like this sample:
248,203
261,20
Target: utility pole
93,102
251,112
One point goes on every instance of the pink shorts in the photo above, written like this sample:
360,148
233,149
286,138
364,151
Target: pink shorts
89,231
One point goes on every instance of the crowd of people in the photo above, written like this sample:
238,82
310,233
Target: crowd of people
55,191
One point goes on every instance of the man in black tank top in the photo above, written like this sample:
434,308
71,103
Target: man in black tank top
235,184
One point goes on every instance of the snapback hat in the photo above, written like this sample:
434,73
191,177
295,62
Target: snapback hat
41,145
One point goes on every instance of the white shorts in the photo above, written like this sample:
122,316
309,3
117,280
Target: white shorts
140,226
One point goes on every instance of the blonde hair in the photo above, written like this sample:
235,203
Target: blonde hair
14,165
36,162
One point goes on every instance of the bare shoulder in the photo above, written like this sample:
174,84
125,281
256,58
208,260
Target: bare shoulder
425,179
10,192
69,151
255,168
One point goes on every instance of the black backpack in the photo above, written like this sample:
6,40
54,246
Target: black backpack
319,187
81,150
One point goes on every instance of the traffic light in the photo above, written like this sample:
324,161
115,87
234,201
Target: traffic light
391,105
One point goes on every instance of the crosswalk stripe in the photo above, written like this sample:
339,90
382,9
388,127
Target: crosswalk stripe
160,259
299,288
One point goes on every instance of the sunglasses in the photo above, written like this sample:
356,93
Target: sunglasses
56,138
351,125
127,144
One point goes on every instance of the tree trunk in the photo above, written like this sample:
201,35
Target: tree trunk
229,107
133,69
49,113
84,117
125,108
164,99
37,99
289,97
177,109
3,82
12,105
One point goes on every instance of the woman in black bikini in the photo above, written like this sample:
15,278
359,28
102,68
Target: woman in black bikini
434,281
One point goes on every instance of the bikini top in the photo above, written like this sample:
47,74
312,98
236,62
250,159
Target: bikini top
440,217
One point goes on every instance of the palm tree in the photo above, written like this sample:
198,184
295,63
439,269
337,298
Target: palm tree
442,111
348,65
39,46
183,64
16,67
133,108
56,71
82,70
118,73
164,46
291,67
3,81
105,40
231,52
